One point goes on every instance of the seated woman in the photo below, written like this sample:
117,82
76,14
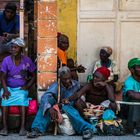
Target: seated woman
97,91
14,81
105,61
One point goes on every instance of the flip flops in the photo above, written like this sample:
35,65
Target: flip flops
34,134
3,133
23,133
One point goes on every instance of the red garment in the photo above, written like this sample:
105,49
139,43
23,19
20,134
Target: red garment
60,119
62,56
31,110
58,34
104,71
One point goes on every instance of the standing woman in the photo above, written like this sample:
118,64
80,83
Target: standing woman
15,84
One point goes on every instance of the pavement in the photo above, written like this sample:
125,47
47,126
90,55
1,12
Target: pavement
58,137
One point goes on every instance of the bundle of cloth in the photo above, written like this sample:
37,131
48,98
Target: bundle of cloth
93,111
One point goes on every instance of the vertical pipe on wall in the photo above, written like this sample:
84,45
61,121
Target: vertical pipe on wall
21,13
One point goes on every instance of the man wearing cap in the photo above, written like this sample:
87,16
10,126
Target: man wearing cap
15,83
97,91
131,92
48,113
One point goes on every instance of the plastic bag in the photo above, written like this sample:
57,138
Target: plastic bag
66,127
32,108
105,104
108,115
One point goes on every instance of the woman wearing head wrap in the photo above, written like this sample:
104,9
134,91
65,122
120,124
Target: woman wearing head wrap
97,91
105,61
15,83
131,93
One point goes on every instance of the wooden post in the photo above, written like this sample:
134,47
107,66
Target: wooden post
21,14
58,101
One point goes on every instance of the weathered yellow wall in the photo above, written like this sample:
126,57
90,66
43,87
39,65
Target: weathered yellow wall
67,23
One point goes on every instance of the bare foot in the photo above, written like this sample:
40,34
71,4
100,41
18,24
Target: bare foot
22,132
4,132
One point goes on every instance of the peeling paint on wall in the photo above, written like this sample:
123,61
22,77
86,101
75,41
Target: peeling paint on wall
46,13
47,10
49,51
45,82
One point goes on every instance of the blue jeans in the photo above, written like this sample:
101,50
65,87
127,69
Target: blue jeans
79,124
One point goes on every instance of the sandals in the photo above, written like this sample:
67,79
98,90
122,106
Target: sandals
136,132
23,133
3,133
34,133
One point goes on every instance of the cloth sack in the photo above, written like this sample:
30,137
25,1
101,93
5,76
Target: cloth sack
66,128
32,108
93,111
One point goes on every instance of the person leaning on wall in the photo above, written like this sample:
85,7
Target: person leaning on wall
106,61
9,26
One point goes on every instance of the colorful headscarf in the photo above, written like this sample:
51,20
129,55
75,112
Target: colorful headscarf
133,62
107,49
18,41
104,71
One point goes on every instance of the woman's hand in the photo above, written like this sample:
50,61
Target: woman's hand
3,39
24,88
113,106
54,114
9,36
100,84
6,95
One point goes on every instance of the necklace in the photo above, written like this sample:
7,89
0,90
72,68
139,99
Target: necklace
14,61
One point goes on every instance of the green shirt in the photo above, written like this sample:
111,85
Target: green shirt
130,84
